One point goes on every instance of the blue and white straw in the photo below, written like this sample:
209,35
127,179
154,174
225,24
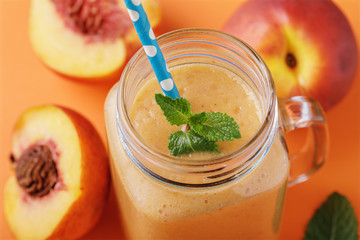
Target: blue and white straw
151,47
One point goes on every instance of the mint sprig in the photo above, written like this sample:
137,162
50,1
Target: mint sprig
335,219
205,128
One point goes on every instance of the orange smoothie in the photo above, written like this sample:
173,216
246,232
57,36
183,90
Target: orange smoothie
247,208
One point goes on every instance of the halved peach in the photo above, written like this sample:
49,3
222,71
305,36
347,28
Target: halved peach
85,39
62,175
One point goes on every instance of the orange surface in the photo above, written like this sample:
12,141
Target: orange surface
25,82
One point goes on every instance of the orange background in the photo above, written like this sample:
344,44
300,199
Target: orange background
25,82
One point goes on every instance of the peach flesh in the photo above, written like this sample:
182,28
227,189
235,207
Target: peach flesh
95,19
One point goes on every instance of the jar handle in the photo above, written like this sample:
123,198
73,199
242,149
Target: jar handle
303,112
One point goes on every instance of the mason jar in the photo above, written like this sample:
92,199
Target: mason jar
237,195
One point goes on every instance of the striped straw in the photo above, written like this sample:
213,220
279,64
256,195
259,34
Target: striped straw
151,47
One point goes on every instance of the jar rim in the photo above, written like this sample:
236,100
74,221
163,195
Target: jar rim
268,122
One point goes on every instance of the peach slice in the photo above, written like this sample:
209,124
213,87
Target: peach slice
85,39
62,175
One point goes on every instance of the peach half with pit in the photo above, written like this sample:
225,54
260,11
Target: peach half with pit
86,39
61,179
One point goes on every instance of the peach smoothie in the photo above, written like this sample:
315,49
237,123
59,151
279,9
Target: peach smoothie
247,208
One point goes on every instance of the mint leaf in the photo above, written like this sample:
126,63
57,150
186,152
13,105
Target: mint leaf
215,126
177,111
335,220
181,143
207,128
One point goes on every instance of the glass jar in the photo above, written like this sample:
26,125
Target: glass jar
234,196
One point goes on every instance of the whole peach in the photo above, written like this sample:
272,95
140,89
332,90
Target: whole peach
308,46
